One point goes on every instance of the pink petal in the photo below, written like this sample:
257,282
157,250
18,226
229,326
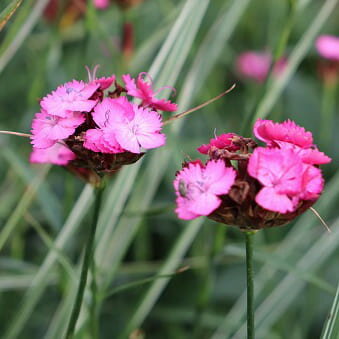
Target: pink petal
287,131
219,177
127,139
154,140
204,204
269,199
313,183
103,82
131,86
277,168
58,154
164,105
182,210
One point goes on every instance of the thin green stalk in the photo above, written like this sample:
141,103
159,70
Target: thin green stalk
250,285
327,112
88,257
94,328
208,278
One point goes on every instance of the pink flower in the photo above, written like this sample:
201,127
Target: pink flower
223,141
255,65
198,188
57,154
279,173
287,131
71,97
328,47
143,90
101,4
124,126
48,129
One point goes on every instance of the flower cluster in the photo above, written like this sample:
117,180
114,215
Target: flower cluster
250,186
80,126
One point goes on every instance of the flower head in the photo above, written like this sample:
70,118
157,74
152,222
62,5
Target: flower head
142,89
99,132
328,47
198,187
271,185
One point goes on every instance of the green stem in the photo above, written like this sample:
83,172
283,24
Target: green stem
327,113
250,285
85,266
93,308
216,242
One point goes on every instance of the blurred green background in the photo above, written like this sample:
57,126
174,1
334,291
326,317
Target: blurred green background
45,212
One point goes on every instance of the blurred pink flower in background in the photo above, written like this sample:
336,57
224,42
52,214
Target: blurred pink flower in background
101,4
328,47
255,65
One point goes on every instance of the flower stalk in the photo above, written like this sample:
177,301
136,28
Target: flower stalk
250,285
88,257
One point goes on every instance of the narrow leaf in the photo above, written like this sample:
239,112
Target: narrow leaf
7,13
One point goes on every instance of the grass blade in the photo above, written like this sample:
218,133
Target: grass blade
22,206
40,281
331,329
7,13
295,58
172,262
20,37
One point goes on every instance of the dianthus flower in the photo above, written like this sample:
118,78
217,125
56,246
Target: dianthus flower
256,65
198,187
269,186
93,132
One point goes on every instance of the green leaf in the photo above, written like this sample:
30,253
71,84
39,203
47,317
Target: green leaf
7,13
